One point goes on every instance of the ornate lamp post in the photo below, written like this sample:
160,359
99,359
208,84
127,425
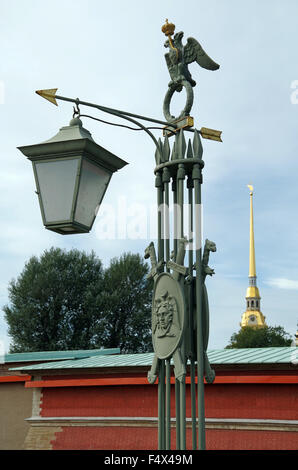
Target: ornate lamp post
180,312
72,173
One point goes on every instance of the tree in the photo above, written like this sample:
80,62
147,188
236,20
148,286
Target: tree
266,337
125,302
66,300
50,300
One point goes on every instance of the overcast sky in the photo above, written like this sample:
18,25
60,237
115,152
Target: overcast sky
112,53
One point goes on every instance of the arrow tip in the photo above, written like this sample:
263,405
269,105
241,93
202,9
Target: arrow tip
49,94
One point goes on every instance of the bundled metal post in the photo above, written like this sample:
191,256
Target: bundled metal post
180,305
180,312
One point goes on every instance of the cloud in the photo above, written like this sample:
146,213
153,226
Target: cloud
282,283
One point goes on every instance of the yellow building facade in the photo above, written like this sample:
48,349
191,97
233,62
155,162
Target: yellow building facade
252,316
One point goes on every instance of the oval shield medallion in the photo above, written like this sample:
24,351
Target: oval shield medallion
168,312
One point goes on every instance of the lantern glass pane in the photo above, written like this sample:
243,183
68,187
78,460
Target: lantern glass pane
93,183
57,181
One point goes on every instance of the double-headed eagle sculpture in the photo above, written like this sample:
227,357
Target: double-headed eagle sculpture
179,57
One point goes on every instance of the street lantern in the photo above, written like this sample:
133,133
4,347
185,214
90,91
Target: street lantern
72,173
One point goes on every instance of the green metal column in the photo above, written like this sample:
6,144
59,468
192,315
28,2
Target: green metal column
166,178
161,406
196,175
190,186
178,417
180,228
168,404
174,191
161,378
160,216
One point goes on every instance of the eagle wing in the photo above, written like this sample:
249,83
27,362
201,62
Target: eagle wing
193,51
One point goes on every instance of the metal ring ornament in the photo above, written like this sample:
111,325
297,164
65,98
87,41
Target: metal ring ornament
169,95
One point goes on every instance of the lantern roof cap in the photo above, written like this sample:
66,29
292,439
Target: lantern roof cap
73,131
73,140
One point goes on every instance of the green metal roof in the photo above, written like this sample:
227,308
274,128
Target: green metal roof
57,355
284,355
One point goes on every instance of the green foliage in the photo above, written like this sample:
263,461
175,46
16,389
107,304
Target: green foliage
125,302
66,300
267,337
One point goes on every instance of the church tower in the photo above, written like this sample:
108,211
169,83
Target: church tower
253,315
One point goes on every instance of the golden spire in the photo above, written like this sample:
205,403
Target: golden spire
253,315
252,260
